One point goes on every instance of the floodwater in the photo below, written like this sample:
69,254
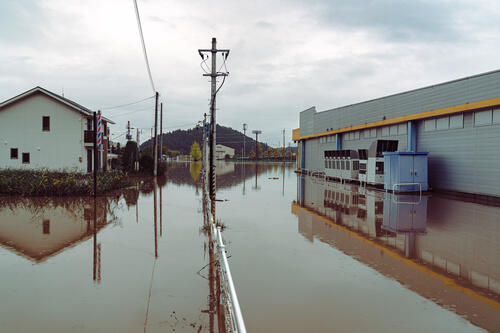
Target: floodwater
305,255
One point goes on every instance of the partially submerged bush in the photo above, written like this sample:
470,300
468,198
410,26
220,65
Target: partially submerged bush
57,183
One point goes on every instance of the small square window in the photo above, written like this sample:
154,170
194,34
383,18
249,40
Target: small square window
13,153
26,158
46,227
46,124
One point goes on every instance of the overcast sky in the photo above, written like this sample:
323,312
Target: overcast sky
286,56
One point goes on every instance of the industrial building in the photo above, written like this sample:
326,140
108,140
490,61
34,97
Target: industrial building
457,123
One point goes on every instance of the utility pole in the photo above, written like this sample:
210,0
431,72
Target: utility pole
284,145
256,132
205,153
244,138
136,166
129,136
161,132
155,146
213,124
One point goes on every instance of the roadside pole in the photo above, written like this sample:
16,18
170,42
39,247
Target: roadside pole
213,123
155,145
161,131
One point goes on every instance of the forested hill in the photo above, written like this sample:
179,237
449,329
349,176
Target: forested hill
182,140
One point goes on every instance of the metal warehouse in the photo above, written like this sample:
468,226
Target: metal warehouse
456,122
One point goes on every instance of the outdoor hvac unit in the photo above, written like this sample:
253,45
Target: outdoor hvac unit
341,164
375,165
363,161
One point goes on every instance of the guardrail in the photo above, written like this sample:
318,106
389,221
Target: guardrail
229,298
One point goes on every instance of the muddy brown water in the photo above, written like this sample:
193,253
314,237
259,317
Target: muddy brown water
306,256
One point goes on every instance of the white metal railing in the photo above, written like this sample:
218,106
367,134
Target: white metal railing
229,298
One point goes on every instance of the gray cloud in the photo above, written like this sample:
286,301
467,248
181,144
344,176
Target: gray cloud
397,20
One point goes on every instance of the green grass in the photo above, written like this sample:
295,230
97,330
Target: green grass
57,183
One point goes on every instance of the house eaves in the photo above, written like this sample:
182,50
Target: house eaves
85,111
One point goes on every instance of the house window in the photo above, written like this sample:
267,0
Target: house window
90,121
46,227
13,153
46,124
26,158
482,118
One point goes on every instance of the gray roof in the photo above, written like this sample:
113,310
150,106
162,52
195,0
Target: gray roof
63,99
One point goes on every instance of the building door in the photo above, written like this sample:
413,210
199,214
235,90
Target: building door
89,160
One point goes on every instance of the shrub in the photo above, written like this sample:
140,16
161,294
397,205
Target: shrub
58,183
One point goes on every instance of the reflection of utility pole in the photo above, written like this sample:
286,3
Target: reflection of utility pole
256,173
244,138
155,217
256,132
283,176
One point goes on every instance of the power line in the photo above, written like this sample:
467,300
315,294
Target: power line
144,45
128,104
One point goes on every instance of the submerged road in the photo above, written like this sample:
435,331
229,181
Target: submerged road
305,256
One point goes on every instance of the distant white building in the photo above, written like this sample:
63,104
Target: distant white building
222,151
40,129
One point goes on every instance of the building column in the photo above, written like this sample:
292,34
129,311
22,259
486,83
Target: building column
412,136
302,155
338,140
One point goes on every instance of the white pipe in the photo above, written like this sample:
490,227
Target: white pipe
236,305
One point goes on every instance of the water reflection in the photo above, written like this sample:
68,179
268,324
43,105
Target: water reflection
229,174
447,250
40,228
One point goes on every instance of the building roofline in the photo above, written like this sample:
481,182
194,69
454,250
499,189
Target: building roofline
55,96
409,91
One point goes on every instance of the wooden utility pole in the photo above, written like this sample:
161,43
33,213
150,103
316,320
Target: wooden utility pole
161,132
213,123
284,145
96,156
244,138
155,146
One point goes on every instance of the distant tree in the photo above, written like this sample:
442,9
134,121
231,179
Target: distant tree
265,154
259,149
252,155
195,151
129,155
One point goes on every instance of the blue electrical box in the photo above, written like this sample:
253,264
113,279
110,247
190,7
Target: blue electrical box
404,170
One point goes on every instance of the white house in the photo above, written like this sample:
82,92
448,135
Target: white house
40,129
221,152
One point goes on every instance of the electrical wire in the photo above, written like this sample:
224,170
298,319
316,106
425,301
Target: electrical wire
134,111
128,104
144,45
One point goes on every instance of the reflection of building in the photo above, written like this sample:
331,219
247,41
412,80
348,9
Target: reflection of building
222,151
223,168
449,234
38,232
443,249
40,129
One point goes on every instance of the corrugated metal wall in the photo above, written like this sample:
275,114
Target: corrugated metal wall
472,89
464,159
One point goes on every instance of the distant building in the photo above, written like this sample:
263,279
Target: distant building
40,129
222,151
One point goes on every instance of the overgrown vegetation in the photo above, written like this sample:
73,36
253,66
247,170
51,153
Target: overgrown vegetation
56,183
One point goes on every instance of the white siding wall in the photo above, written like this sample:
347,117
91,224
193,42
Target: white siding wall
60,148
